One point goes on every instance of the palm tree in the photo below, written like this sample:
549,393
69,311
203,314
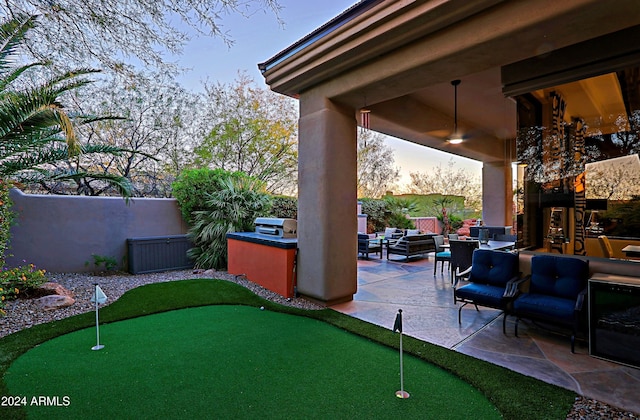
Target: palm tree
232,208
35,129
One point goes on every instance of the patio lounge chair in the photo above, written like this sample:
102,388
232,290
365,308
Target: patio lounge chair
366,246
557,288
492,281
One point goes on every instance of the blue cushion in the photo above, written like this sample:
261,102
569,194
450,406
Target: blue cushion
444,254
481,294
558,276
493,267
545,307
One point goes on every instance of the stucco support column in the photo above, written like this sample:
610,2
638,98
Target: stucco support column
497,194
327,200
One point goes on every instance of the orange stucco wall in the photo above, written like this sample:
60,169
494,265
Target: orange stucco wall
268,266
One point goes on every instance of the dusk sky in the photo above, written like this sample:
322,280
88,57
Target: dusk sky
260,37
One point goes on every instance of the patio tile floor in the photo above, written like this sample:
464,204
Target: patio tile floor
430,315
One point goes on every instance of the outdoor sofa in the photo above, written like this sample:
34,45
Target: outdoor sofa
412,245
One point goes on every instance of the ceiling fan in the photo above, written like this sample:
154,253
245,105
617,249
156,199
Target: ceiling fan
456,136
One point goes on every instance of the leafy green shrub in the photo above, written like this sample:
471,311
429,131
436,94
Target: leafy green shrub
397,211
233,207
387,212
375,210
455,222
109,263
193,187
6,218
284,207
19,280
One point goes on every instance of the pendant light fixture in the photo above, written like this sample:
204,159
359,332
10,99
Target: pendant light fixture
455,137
365,122
365,113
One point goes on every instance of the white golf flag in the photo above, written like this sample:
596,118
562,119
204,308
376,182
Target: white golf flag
99,296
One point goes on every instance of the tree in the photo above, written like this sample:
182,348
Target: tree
448,181
254,131
106,33
615,179
36,131
376,171
159,122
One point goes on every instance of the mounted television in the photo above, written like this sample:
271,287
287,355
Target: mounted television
596,203
557,200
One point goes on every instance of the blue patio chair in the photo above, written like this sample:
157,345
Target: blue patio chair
492,282
556,295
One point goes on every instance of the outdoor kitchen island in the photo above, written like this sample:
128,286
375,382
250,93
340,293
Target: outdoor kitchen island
267,256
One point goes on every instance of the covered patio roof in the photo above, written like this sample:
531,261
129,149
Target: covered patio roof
398,59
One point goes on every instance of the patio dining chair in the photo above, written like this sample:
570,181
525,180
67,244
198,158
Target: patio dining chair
506,238
461,255
442,254
605,245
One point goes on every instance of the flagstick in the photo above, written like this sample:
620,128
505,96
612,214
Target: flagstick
98,346
402,393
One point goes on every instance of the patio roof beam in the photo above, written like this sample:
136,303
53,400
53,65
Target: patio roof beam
384,53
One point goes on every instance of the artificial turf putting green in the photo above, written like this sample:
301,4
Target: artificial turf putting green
516,396
234,362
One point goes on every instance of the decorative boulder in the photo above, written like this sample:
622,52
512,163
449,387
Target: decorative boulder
51,302
51,288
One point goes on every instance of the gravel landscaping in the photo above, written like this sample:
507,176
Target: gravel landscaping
24,313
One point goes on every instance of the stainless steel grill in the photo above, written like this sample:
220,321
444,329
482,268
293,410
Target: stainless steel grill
277,228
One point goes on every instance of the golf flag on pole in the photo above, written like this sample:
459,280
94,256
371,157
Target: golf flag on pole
397,325
98,296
